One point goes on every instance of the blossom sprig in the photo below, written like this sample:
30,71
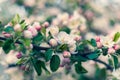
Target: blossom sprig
38,44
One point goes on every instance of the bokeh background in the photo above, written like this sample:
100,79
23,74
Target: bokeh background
102,17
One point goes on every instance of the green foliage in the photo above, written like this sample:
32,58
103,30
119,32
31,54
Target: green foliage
62,47
115,61
104,50
93,42
9,29
78,58
8,45
48,55
37,39
37,65
54,63
16,19
116,37
79,69
1,43
65,29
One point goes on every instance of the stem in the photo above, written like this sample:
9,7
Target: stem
84,55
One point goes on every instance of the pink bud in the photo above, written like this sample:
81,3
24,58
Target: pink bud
33,30
66,54
45,24
17,27
78,38
53,42
99,44
116,47
97,39
7,35
111,51
37,26
19,55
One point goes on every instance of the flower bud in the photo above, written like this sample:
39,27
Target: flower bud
17,27
22,67
97,39
66,54
77,38
53,42
19,55
111,51
27,34
33,30
37,26
45,24
116,47
7,35
99,44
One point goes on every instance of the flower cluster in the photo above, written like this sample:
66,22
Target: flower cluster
41,43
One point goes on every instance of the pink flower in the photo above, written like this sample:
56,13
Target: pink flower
97,39
19,55
7,35
116,47
77,38
45,24
33,30
66,54
37,26
111,50
99,44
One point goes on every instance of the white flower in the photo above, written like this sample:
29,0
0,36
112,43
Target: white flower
17,27
107,42
116,73
72,49
53,42
64,38
54,30
27,34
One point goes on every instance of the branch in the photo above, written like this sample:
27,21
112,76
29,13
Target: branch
44,48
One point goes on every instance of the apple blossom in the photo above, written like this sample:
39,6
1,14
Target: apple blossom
116,73
72,49
99,44
27,34
36,25
111,50
53,42
33,30
45,24
54,30
7,35
97,39
19,55
17,27
116,47
66,54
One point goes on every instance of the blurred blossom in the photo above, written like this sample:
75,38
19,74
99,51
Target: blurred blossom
116,73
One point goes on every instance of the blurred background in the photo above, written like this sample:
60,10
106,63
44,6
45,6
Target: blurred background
101,17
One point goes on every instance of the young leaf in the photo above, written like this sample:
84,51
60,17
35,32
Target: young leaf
54,63
115,61
48,55
7,46
93,42
16,19
116,37
43,30
79,69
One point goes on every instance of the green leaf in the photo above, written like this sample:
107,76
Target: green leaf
44,67
16,19
79,69
7,46
115,61
116,37
54,63
94,55
78,58
37,66
65,29
37,39
1,43
93,42
43,30
63,47
104,51
9,29
48,54
27,41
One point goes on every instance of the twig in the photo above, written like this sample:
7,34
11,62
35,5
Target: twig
44,48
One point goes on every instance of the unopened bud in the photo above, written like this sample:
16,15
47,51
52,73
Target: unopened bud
111,51
66,54
53,42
